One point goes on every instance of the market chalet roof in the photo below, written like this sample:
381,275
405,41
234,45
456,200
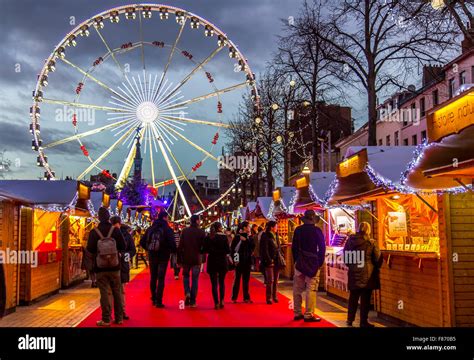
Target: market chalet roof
39,192
370,169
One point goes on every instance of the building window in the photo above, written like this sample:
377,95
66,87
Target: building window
414,140
405,142
435,98
387,140
404,117
395,138
462,78
380,142
422,107
451,88
423,135
414,114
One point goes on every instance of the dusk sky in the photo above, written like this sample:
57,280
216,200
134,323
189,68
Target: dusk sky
31,30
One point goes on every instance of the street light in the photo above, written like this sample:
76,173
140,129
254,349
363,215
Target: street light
306,170
275,107
279,139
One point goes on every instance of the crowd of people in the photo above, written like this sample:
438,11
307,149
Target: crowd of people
112,247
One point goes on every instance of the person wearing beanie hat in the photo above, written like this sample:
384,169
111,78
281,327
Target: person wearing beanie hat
107,277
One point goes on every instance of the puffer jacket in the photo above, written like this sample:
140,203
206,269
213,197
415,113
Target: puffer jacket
362,257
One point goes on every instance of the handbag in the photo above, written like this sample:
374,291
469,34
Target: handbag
307,262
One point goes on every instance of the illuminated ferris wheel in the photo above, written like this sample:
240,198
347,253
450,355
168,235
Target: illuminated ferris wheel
127,89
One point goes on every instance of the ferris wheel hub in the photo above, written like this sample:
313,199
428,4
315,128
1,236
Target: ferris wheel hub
147,112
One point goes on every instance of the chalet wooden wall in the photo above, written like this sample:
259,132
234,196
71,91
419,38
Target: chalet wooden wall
460,235
9,227
413,292
35,282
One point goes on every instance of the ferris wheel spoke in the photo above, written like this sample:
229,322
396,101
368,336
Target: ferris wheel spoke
130,94
175,200
110,51
85,106
196,146
172,124
194,121
140,29
184,175
124,106
140,93
97,81
170,102
158,95
208,96
166,133
104,155
171,170
191,74
84,134
152,164
127,166
170,57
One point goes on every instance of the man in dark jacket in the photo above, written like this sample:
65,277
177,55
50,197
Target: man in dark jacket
190,250
125,257
242,248
159,259
107,277
309,249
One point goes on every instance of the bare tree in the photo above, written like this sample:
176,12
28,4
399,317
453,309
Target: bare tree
303,56
372,40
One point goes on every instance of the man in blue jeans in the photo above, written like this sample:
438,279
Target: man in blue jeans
190,251
158,259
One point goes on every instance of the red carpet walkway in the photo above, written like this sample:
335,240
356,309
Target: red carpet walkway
258,314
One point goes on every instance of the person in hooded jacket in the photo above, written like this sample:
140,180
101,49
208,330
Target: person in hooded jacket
363,275
126,256
218,250
242,249
159,259
272,260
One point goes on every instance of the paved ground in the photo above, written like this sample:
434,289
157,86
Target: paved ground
71,306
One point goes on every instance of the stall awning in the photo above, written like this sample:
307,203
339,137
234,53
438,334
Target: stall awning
284,200
319,183
369,171
264,208
39,192
447,161
96,199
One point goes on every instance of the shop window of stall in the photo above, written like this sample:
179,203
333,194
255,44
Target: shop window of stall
407,223
46,236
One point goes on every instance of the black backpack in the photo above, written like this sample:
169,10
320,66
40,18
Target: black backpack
153,240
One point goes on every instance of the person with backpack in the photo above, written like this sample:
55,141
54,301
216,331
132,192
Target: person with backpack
126,257
218,250
309,250
190,258
242,249
105,242
273,260
158,240
363,277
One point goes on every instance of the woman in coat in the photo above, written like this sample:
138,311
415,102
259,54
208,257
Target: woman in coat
272,260
218,250
242,250
362,257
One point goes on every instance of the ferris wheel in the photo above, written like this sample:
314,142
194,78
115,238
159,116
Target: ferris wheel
127,88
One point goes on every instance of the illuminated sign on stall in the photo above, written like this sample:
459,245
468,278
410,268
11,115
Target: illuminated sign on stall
452,118
353,165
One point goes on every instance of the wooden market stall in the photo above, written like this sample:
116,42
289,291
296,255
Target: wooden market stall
9,243
282,212
446,164
46,206
406,226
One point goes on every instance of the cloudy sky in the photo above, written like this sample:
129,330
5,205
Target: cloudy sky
31,29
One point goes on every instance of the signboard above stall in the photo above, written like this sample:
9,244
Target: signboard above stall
352,165
451,118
